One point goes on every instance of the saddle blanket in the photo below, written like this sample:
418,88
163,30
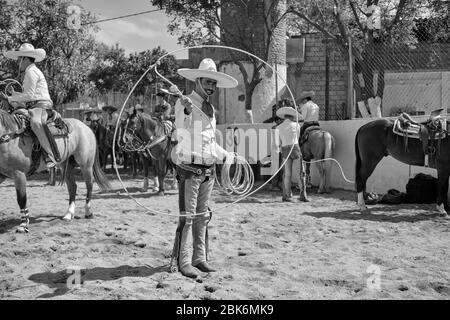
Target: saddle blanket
305,135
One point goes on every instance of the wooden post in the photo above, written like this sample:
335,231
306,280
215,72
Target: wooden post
350,95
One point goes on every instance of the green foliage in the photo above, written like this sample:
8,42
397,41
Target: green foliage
115,71
44,24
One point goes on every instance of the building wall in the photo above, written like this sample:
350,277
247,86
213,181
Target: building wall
311,75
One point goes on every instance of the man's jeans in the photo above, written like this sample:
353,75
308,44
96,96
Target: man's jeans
39,116
194,194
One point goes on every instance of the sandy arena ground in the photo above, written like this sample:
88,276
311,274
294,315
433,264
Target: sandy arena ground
263,248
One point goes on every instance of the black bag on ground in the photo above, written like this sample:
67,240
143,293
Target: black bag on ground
422,189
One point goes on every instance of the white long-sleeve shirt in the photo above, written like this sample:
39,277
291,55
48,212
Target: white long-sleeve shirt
310,111
196,134
289,132
34,87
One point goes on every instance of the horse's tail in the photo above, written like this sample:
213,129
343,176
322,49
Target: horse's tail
99,176
328,151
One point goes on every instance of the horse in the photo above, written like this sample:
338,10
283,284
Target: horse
19,158
376,139
155,145
317,144
104,139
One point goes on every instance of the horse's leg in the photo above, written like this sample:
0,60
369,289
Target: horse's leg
161,171
321,170
89,180
174,179
145,162
308,175
20,183
442,200
72,188
154,164
364,172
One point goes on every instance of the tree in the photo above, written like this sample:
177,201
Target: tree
113,70
339,20
202,22
45,25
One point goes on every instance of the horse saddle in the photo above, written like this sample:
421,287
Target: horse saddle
433,129
56,125
305,135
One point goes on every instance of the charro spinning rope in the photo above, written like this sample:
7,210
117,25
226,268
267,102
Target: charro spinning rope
243,180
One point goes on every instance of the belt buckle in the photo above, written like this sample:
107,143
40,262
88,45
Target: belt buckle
199,171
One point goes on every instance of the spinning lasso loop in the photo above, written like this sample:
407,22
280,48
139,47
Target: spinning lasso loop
332,159
243,170
8,83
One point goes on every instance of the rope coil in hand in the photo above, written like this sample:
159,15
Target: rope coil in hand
243,180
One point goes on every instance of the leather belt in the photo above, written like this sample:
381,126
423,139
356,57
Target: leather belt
197,169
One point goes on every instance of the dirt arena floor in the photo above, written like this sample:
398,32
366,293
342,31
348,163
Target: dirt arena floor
263,248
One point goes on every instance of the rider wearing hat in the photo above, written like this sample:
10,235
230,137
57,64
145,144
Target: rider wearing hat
111,117
35,98
163,108
195,156
289,132
309,110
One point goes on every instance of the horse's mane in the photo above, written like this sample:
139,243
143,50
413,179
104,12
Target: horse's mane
147,121
7,121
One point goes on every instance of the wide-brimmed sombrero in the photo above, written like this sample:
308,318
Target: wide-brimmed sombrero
306,94
93,110
26,50
208,69
109,107
282,112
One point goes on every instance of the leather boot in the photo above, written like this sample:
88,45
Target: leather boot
204,267
185,249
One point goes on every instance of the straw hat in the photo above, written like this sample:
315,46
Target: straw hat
208,69
109,107
26,50
307,94
282,112
93,110
139,107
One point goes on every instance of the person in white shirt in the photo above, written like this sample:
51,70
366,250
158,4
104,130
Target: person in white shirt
195,156
35,98
309,110
289,132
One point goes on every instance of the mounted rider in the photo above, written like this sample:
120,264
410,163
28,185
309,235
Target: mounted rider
111,117
35,98
309,110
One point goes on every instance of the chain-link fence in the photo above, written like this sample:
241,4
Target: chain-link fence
390,79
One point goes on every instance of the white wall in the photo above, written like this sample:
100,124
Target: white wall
389,173
233,110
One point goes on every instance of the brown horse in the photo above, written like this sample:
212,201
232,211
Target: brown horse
18,160
318,144
155,145
376,140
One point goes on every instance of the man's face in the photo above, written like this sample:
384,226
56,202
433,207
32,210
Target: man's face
23,63
209,85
